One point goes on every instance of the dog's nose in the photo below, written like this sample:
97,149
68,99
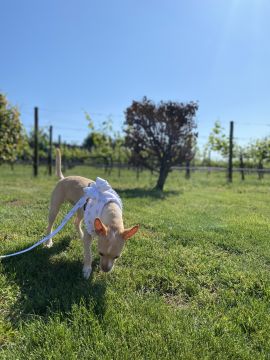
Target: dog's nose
106,268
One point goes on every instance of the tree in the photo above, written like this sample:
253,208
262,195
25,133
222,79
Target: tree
218,141
43,143
105,144
99,143
12,135
93,140
89,141
73,155
120,152
259,151
161,135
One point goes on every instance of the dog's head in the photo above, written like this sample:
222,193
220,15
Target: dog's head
111,243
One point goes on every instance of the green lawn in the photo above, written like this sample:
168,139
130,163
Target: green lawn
194,282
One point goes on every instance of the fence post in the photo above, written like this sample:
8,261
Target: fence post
35,163
50,152
209,163
230,166
242,167
187,169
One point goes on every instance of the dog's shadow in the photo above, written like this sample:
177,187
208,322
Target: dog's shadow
47,285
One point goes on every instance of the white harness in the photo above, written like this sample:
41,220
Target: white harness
100,194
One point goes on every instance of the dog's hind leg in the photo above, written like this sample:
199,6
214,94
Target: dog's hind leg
78,222
56,201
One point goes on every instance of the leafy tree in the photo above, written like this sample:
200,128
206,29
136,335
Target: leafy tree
12,134
259,152
161,135
121,153
72,154
93,140
43,143
101,148
89,141
218,140
104,144
25,152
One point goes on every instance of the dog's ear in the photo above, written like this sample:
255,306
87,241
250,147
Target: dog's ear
100,228
128,233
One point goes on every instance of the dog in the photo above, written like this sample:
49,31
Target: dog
109,227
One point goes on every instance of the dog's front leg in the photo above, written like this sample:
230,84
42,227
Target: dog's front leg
87,261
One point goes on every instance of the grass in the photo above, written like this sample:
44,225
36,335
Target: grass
194,283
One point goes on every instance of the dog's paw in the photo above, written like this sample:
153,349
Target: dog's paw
87,272
48,244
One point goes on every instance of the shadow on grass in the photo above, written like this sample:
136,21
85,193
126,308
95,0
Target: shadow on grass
48,285
144,193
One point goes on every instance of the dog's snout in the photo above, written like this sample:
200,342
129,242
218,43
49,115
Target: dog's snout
106,269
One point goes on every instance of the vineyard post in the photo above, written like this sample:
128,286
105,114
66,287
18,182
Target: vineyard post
36,159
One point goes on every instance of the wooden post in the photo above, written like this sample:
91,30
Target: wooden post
35,164
50,152
230,166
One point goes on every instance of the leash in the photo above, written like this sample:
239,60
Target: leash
77,206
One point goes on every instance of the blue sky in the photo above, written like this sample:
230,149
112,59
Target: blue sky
68,57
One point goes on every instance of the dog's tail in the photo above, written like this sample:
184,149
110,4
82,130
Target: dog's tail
58,164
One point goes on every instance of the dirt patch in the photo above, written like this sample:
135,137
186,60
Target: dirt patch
176,301
14,202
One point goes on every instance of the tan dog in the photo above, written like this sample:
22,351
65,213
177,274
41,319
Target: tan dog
109,227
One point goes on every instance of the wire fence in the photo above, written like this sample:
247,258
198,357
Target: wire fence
246,170
52,117
75,134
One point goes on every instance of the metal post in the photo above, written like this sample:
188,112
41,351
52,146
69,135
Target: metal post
35,164
50,152
242,167
187,169
230,165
